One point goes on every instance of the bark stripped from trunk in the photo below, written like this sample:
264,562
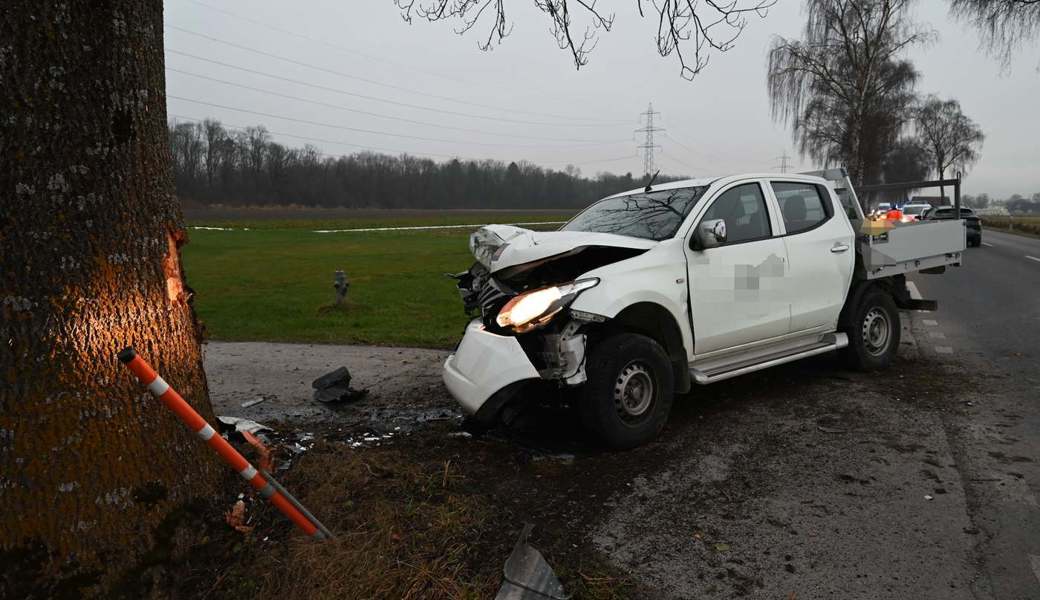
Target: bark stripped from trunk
89,237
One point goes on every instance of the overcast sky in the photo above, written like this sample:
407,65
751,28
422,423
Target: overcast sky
424,90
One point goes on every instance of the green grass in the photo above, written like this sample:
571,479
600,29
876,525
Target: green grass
276,285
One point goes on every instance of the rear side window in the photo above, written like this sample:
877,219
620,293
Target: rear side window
801,204
744,210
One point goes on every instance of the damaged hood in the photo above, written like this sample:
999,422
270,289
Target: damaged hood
505,248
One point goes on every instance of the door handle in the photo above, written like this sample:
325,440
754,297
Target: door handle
837,248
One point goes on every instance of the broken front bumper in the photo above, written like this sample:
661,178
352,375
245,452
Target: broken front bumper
483,364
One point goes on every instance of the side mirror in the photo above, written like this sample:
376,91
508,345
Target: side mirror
710,233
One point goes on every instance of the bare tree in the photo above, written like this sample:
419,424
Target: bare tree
843,88
683,26
214,136
1002,24
951,138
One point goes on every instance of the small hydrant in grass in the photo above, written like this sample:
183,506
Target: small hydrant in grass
342,284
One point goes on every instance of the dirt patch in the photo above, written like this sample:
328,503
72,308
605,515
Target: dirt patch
404,384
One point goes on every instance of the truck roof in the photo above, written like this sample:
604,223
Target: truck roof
722,180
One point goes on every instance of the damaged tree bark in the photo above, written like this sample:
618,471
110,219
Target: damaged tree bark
90,234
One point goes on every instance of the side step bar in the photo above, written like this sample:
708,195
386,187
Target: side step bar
829,343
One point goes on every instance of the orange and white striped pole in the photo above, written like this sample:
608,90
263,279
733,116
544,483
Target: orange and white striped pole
262,481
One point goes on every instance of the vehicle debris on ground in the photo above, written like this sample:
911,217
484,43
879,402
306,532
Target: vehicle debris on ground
527,575
334,387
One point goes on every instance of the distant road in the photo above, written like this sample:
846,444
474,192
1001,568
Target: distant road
995,295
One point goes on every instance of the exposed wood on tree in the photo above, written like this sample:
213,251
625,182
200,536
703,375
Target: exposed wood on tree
90,231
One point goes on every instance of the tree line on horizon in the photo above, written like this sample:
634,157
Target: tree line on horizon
215,165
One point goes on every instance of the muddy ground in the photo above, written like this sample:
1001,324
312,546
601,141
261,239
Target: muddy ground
802,481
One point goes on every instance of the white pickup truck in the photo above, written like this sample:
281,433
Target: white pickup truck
647,292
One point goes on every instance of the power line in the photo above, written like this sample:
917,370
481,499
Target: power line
372,81
648,145
369,97
682,164
783,166
383,116
361,130
342,49
703,156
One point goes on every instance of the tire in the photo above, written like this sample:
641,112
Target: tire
874,331
629,391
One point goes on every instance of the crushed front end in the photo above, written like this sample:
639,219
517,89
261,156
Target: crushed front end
522,329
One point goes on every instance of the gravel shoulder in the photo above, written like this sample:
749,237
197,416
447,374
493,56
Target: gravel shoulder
404,384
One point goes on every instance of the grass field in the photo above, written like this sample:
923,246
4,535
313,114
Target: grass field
1016,224
274,282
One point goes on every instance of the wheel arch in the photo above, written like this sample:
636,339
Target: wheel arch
894,286
657,323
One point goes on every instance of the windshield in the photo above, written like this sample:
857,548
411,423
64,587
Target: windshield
653,216
915,209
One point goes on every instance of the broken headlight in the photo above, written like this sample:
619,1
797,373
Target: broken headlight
533,309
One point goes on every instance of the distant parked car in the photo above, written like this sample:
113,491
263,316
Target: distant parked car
971,221
880,210
913,212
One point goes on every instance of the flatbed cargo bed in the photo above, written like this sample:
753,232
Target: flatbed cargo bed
885,249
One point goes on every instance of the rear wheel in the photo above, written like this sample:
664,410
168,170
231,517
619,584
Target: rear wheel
874,331
629,391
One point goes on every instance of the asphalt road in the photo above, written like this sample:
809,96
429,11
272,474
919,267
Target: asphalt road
988,324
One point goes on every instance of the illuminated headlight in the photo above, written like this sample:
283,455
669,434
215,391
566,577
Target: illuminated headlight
534,309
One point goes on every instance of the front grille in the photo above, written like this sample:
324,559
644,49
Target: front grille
491,300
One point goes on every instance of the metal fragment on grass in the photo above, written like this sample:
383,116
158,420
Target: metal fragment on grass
527,575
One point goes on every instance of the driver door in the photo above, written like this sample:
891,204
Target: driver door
738,289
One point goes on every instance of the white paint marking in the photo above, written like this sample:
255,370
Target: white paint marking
158,386
944,349
369,229
912,288
987,244
248,472
426,227
1034,562
930,322
937,335
1033,258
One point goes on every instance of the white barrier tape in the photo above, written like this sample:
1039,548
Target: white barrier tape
158,386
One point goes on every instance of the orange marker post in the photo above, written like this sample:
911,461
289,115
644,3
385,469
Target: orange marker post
268,487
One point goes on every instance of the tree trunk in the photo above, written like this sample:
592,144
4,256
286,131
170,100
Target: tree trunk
90,463
942,189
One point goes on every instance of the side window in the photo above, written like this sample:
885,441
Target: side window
744,210
802,205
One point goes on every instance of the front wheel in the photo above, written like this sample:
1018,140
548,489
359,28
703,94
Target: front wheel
874,331
629,391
